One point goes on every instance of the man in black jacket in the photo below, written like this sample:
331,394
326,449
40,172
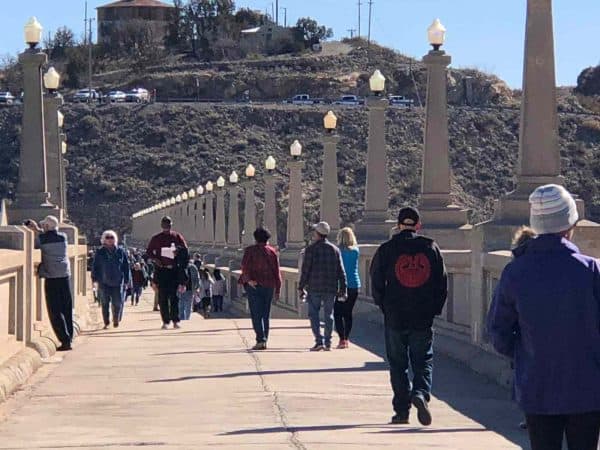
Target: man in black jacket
409,284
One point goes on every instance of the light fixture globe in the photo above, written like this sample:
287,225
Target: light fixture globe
233,178
330,121
33,32
199,190
220,182
377,82
61,119
250,171
270,163
173,200
436,34
209,186
296,149
184,196
178,198
191,193
51,79
63,147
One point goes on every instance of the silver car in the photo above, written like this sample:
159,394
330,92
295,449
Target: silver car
6,98
116,96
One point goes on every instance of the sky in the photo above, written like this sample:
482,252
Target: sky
483,34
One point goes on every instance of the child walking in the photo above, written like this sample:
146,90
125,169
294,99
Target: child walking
206,289
219,290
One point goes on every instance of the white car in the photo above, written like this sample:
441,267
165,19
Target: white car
85,95
116,96
138,95
6,98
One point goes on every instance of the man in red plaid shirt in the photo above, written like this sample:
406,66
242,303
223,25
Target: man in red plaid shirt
261,278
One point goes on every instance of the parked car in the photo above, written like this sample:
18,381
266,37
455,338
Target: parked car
116,96
304,99
137,95
349,100
6,98
401,101
84,95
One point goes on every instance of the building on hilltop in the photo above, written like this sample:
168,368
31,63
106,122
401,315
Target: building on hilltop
263,38
115,18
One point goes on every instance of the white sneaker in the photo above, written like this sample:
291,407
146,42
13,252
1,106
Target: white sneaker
176,325
165,326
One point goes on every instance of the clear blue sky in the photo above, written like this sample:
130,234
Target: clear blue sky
487,34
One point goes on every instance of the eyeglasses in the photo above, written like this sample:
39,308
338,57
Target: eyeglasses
112,238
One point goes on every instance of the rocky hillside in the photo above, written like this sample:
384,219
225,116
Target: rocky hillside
124,157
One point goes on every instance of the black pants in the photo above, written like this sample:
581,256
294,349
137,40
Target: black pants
342,314
547,432
60,307
217,303
167,295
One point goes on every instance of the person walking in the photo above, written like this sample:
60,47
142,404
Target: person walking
545,315
112,275
409,284
206,293
191,278
342,309
219,290
139,279
161,251
261,278
324,278
198,261
55,269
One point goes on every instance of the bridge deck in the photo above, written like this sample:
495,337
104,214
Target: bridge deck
199,387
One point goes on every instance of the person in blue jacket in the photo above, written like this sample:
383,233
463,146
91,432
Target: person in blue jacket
546,316
112,274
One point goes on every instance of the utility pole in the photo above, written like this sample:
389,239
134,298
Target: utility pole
369,32
351,31
85,25
359,8
284,16
276,12
89,40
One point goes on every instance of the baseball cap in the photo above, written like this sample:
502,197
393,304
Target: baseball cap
322,228
408,216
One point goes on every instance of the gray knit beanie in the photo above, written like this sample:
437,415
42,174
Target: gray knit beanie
553,209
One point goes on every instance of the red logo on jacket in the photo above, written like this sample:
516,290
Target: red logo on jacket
413,271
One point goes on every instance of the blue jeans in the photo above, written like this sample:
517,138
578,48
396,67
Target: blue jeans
113,297
259,300
185,305
414,347
314,301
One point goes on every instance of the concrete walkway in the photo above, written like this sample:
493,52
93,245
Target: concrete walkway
200,387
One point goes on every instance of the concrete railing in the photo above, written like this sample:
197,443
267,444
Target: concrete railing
26,335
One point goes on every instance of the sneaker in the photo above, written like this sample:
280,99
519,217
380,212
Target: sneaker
64,348
106,326
523,425
400,419
317,348
341,345
423,414
116,324
165,326
155,309
176,325
327,348
346,343
260,346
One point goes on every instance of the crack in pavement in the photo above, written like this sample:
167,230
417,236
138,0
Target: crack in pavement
294,438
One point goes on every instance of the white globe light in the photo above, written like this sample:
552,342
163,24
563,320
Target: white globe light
436,34
377,82
33,32
250,171
51,79
296,149
233,178
220,182
270,163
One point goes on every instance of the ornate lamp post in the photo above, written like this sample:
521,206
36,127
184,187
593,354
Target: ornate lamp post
330,203
270,213
52,124
209,217
373,226
233,231
435,204
249,207
295,225
220,238
32,196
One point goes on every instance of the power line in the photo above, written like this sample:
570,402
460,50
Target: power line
359,8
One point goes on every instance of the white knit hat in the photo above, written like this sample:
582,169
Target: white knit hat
553,209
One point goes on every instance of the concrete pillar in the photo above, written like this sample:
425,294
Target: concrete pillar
330,203
374,226
210,219
249,213
270,213
53,144
539,154
233,230
435,204
295,223
32,196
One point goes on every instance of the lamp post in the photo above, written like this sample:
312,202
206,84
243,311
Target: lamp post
52,124
270,213
373,226
295,224
330,203
220,238
249,207
539,154
209,216
63,171
233,230
435,204
32,196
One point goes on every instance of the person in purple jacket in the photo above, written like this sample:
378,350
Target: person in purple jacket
546,316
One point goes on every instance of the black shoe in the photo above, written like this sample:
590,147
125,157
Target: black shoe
64,348
116,324
523,425
423,414
155,309
400,419
317,348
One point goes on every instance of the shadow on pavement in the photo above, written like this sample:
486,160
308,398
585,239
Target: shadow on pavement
474,396
221,352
